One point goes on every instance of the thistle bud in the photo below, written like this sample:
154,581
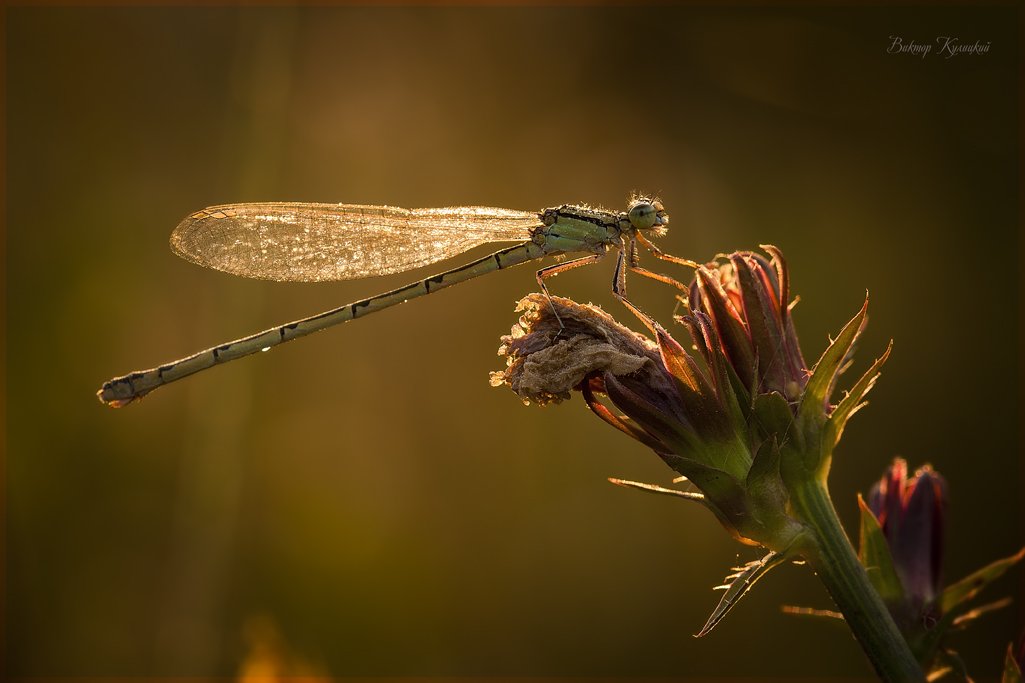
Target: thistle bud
746,300
690,416
911,514
902,537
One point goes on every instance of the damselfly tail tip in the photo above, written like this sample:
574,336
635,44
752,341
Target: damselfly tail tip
117,393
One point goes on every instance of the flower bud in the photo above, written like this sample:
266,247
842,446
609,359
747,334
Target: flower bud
902,528
746,299
744,421
911,514
689,415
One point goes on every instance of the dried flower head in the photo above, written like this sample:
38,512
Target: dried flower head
546,359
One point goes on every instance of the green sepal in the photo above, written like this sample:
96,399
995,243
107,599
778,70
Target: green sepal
727,382
620,422
739,584
874,553
772,415
1012,672
692,496
726,451
812,411
769,498
966,618
764,484
743,396
719,487
669,430
724,496
946,665
954,600
956,594
771,418
853,402
830,365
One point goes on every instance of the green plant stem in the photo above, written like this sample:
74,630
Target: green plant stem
831,555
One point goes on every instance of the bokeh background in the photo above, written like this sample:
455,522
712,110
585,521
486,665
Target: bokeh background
362,502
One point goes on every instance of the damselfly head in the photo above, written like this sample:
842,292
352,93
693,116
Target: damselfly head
646,214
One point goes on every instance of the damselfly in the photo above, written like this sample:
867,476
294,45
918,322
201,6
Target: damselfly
319,242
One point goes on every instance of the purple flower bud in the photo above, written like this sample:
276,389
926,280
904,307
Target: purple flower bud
911,513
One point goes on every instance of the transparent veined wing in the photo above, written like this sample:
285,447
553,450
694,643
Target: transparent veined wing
318,242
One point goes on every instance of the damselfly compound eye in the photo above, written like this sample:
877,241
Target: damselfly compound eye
643,215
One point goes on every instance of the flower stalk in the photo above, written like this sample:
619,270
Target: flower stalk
829,552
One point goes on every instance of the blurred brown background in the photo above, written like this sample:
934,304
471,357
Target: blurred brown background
364,492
